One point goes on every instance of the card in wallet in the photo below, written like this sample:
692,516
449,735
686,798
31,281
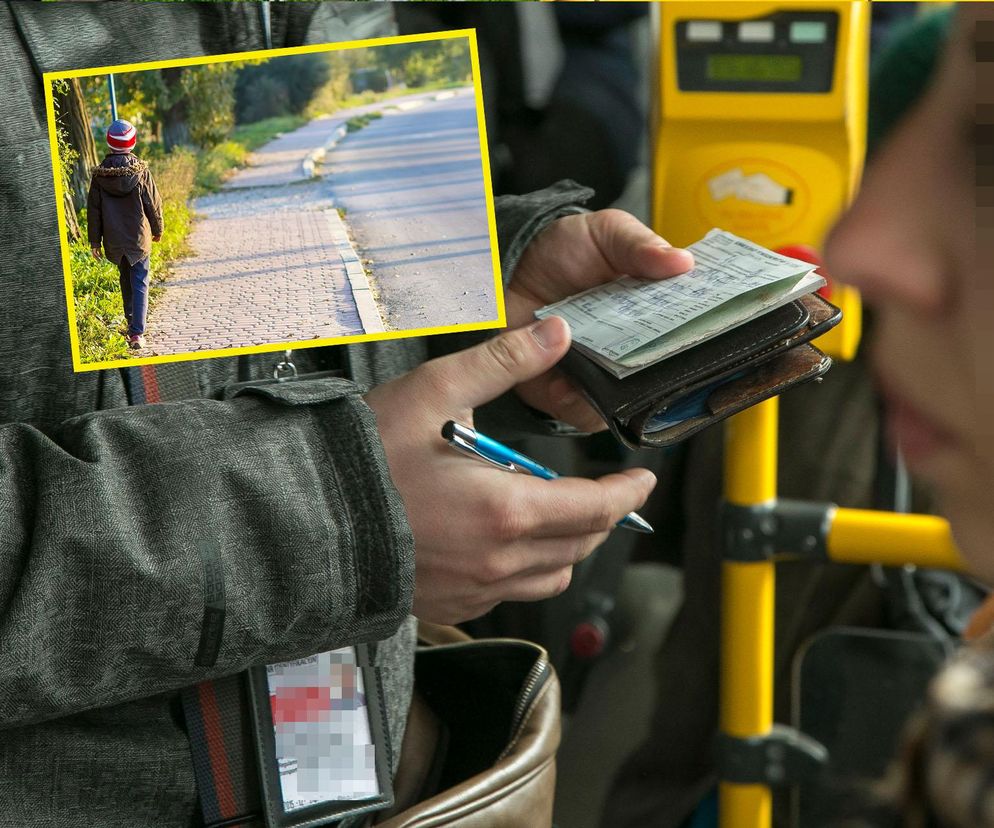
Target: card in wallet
674,398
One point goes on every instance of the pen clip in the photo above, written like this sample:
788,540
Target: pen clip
465,447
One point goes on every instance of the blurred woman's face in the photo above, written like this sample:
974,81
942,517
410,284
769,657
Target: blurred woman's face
919,243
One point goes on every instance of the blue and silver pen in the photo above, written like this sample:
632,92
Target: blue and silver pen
471,442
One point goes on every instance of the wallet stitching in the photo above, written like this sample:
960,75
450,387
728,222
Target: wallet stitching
741,349
798,337
731,355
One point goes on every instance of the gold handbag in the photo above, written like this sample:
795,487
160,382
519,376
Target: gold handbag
480,746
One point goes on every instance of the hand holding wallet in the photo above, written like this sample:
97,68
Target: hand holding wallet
736,370
710,377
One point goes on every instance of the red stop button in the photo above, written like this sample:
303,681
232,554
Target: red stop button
806,253
588,639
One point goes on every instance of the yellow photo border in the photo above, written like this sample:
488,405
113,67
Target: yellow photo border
470,34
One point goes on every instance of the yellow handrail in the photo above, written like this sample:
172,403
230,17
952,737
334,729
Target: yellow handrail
748,591
688,149
747,606
892,539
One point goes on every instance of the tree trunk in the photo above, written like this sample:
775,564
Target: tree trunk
72,220
75,120
175,123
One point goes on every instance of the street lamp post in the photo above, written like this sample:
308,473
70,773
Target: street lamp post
113,97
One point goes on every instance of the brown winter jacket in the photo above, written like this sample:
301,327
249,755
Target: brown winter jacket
123,208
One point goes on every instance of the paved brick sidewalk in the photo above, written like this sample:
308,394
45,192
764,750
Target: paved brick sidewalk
269,266
271,259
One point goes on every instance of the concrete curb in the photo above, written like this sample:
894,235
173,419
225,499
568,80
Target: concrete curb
315,156
369,313
407,106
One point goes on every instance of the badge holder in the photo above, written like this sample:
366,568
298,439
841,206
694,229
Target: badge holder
319,722
320,735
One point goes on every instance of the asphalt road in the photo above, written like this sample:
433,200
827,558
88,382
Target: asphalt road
412,187
281,161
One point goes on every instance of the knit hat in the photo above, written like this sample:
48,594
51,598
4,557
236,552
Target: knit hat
121,136
903,70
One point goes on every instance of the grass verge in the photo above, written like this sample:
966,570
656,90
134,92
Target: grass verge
357,122
217,163
328,103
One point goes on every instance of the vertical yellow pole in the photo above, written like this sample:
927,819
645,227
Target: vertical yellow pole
747,612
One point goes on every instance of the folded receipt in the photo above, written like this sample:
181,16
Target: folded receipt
629,324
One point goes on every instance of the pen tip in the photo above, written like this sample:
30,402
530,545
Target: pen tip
449,429
639,523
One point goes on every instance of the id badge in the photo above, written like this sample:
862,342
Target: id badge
320,739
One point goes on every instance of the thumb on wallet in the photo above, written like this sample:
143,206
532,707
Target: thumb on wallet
486,371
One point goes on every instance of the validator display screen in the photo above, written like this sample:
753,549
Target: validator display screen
754,68
786,51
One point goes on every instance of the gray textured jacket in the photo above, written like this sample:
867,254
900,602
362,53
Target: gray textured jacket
101,505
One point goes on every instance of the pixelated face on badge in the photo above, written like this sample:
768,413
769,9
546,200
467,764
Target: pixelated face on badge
323,743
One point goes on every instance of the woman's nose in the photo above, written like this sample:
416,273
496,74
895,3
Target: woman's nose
887,243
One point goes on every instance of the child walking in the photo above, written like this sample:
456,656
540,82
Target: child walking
124,212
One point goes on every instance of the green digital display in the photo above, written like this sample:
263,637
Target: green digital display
774,68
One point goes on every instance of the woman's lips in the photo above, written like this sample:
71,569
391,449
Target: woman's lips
917,436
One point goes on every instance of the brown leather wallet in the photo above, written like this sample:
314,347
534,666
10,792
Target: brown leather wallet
711,381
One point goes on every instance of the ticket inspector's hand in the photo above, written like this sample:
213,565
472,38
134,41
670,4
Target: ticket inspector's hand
482,535
572,254
96,252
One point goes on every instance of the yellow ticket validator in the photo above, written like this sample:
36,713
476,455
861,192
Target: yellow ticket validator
760,127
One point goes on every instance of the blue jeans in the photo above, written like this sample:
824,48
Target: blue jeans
134,291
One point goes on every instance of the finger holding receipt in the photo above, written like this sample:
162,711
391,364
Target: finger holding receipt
474,444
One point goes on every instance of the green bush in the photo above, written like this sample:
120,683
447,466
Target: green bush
99,312
175,173
283,86
357,122
215,164
262,97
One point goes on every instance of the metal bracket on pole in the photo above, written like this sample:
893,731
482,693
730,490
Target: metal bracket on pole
783,756
780,528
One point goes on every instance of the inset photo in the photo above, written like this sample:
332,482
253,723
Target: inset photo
253,202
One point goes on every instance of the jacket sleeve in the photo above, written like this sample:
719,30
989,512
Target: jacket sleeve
152,204
94,218
520,218
123,530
